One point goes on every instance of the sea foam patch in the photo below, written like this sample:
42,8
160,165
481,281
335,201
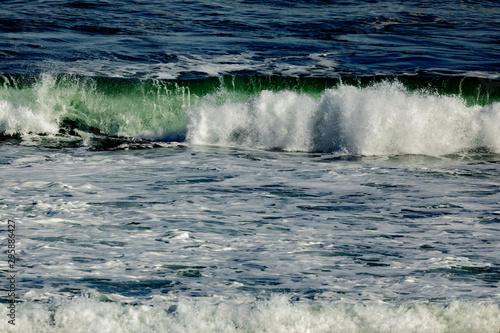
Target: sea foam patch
278,314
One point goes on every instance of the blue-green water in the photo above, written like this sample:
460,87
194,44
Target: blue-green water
249,166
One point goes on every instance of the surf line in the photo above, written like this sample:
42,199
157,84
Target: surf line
12,271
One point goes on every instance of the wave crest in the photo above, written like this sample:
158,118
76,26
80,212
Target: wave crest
384,118
309,116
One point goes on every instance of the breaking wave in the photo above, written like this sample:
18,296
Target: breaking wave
378,118
384,118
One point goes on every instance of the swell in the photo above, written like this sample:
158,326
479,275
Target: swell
361,116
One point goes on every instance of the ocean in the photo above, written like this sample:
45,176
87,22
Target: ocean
250,166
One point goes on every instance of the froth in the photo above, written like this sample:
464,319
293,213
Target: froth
22,120
274,315
28,111
384,118
272,120
134,110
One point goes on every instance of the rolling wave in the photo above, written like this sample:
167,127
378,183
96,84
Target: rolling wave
381,119
354,117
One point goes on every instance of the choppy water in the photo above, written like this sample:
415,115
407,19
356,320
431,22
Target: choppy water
172,39
251,166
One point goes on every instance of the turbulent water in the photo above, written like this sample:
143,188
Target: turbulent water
250,166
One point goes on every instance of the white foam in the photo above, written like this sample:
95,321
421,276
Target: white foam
36,110
382,119
272,120
208,65
23,120
35,184
275,315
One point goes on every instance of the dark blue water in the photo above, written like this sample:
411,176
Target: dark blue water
186,39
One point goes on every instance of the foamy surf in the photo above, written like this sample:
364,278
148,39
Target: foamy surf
277,314
382,119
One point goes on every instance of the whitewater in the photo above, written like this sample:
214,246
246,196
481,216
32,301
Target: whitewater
188,237
381,118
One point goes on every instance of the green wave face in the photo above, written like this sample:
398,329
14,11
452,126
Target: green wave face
353,115
111,107
119,107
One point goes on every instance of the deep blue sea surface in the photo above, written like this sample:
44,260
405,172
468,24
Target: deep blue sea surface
250,166
193,39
